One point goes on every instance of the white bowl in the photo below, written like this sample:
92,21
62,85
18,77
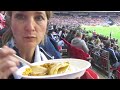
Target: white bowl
78,69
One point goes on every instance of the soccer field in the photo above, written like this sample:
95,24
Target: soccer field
105,30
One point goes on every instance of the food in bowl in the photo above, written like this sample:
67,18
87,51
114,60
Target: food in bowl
76,68
48,69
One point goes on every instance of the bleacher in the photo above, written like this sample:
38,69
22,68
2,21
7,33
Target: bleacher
75,19
85,17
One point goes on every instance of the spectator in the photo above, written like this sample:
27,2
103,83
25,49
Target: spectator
113,58
79,43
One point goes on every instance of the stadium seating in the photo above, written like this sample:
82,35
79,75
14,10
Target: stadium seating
102,62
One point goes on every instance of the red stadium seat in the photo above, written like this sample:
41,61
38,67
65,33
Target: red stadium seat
76,52
90,74
118,73
68,46
59,48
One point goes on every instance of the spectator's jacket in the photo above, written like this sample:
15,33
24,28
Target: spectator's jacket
117,55
50,48
112,56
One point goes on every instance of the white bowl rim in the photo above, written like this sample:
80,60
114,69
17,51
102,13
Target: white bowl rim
57,75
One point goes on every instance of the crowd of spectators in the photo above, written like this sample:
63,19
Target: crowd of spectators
2,19
79,20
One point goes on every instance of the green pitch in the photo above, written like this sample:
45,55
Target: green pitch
105,30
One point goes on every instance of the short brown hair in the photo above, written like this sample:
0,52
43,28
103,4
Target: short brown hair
78,34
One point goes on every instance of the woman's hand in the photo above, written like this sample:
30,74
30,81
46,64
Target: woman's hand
8,63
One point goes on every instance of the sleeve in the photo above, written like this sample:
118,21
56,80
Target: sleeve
113,55
85,48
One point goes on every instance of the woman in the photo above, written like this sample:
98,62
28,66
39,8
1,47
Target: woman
27,29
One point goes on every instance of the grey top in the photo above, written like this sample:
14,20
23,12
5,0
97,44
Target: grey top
79,43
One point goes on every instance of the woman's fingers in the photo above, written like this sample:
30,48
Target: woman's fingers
8,63
5,74
7,68
4,51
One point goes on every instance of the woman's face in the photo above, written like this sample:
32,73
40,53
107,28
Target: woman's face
28,27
